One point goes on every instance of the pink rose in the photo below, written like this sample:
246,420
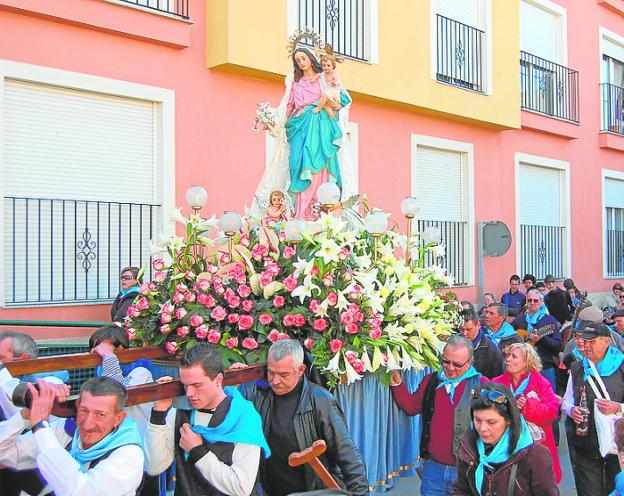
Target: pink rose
259,251
308,343
214,336
165,329
250,343
183,331
346,275
346,318
319,325
206,300
233,318
167,308
181,287
288,252
196,320
180,313
266,279
189,297
335,345
314,306
165,318
229,292
189,274
201,332
351,328
160,276
224,258
328,280
350,356
290,283
244,290
289,320
332,298
358,366
131,333
300,320
145,289
344,253
282,335
315,271
273,336
278,301
158,264
358,316
248,305
375,333
233,301
178,297
265,318
171,347
203,284
218,313
245,322
133,312
353,307
244,240
231,342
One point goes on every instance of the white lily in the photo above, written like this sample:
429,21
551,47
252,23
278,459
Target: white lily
438,251
406,360
378,360
392,363
342,302
157,249
305,290
368,367
352,375
302,266
334,364
329,250
176,216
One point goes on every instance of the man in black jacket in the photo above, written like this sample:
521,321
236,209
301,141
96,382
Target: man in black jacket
557,300
295,413
488,360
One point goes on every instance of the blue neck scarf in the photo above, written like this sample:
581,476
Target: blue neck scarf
619,485
62,375
607,366
521,387
127,368
126,433
577,354
471,372
242,424
532,319
503,333
500,453
133,289
477,340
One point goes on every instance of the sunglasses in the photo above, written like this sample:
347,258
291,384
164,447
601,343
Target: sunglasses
533,300
579,337
127,278
494,396
446,361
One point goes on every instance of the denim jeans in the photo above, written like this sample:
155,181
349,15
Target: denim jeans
437,479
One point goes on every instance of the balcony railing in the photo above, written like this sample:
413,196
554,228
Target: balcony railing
454,236
549,88
342,23
542,250
615,253
71,251
178,8
612,108
459,54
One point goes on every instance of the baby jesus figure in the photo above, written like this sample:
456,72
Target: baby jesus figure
277,211
330,83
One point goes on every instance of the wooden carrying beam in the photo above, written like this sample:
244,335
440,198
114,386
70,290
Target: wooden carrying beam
144,393
311,455
80,360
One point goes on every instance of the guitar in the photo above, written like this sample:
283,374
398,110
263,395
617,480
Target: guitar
568,329
538,331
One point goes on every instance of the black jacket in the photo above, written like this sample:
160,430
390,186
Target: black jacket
559,305
488,359
318,416
121,304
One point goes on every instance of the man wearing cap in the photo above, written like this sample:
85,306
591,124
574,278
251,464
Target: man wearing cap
498,330
602,364
514,298
557,300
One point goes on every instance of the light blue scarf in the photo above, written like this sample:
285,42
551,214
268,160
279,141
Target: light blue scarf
471,372
619,485
242,424
504,332
126,433
133,289
500,453
608,365
521,387
533,319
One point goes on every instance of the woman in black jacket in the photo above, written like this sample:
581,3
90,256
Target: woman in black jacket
127,294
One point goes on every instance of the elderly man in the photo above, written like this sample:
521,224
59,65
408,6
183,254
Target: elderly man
602,363
216,445
295,413
100,453
443,398
488,360
498,329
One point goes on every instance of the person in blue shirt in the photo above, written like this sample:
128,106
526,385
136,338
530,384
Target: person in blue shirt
514,298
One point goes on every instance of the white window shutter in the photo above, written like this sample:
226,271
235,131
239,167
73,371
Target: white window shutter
540,196
614,193
539,32
464,11
439,177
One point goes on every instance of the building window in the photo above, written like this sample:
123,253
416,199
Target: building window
461,43
350,26
441,182
83,175
178,8
542,201
613,194
612,94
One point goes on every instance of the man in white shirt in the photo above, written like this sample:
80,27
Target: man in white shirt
216,445
98,454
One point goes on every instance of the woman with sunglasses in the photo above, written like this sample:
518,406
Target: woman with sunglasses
534,395
498,455
128,292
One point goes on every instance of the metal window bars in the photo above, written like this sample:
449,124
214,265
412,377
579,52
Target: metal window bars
179,8
612,108
453,235
542,250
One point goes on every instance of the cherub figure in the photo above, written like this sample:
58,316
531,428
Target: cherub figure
277,211
330,82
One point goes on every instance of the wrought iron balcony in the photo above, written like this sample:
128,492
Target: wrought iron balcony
542,250
612,108
459,54
71,251
179,8
453,235
549,88
615,252
341,23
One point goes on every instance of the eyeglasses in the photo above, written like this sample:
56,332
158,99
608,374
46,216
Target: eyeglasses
533,300
127,278
494,396
446,361
579,337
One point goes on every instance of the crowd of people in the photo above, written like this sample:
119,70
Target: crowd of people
489,417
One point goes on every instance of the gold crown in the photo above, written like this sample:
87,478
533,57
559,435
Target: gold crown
294,42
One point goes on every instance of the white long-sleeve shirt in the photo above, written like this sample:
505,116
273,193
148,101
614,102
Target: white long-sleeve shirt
568,399
119,474
237,479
